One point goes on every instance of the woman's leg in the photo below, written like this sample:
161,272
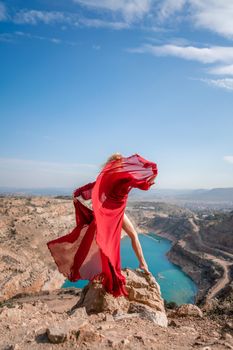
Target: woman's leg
129,229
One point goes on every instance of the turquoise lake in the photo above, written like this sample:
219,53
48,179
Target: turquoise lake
174,283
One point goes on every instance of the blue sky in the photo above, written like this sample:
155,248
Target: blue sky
83,79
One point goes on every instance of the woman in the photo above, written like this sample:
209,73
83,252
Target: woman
126,225
92,249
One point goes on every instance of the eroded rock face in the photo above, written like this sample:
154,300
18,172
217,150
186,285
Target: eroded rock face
143,289
26,224
96,300
198,247
144,298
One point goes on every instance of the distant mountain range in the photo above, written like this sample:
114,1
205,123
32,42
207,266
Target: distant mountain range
210,195
215,194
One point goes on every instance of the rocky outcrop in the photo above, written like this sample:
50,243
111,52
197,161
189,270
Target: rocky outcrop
144,298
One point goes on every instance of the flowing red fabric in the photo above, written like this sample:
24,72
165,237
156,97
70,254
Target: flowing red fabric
92,249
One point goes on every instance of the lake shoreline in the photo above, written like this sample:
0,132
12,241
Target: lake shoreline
176,285
209,268
174,257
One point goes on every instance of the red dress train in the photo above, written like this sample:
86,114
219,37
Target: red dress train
92,248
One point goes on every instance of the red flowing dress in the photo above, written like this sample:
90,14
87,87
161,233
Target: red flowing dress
92,248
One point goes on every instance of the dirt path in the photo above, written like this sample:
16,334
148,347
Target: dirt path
225,278
223,281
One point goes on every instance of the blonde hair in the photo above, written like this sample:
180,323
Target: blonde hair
113,156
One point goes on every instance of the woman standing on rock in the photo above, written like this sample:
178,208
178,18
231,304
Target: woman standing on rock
92,249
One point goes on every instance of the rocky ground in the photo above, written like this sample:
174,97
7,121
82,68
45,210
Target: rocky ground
36,313
92,319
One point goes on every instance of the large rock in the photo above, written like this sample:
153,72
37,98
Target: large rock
62,330
157,317
186,310
144,298
144,289
95,300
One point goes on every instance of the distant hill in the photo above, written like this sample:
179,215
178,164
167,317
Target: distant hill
212,195
157,194
215,194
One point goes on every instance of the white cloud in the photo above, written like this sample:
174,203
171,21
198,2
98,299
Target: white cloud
222,70
30,173
3,12
130,9
169,7
200,54
34,16
99,23
226,83
215,15
228,159
205,55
